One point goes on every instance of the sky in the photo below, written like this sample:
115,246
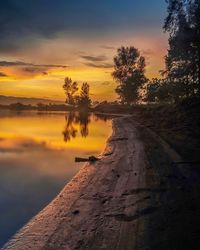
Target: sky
44,41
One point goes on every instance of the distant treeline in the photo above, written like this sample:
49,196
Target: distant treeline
40,107
18,106
96,106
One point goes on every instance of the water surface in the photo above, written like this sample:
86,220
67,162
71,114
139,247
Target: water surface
37,152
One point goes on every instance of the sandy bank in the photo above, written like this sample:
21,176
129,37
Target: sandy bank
133,198
100,207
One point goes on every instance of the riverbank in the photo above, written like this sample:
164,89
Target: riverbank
178,124
100,204
133,198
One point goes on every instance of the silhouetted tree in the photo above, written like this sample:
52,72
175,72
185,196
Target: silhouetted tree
70,89
129,72
183,59
163,90
84,100
152,90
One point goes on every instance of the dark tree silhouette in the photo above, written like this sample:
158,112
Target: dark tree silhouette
129,72
70,89
84,100
164,90
183,59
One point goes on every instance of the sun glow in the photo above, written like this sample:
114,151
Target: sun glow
43,81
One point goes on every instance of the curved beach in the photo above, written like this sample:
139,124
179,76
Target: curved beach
99,207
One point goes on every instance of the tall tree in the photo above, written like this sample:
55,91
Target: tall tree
183,59
70,89
84,100
195,43
129,72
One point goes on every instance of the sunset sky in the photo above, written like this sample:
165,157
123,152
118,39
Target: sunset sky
43,41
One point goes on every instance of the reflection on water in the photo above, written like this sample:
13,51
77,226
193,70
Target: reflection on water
81,119
76,118
37,152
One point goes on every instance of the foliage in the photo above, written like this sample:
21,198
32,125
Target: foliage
182,73
183,59
164,90
84,99
129,72
70,89
155,90
177,123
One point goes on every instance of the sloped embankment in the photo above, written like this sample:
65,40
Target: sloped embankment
104,205
135,197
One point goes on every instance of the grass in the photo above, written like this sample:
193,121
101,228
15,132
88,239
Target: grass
178,124
175,224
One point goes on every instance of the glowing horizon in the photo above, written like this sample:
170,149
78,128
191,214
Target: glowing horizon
36,64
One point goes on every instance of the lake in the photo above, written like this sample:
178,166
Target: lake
37,152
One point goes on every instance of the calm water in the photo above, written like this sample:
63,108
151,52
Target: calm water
37,153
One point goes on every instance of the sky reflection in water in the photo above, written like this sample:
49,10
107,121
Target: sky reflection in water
37,152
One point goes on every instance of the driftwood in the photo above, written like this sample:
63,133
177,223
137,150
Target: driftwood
89,159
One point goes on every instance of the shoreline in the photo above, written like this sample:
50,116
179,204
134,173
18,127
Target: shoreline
80,202
132,198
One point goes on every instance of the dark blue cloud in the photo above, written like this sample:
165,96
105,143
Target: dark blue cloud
22,22
99,58
99,61
20,63
99,65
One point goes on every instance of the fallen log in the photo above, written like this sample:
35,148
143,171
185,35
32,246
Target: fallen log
89,159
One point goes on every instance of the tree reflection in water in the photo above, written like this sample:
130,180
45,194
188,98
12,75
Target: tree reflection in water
76,118
82,119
